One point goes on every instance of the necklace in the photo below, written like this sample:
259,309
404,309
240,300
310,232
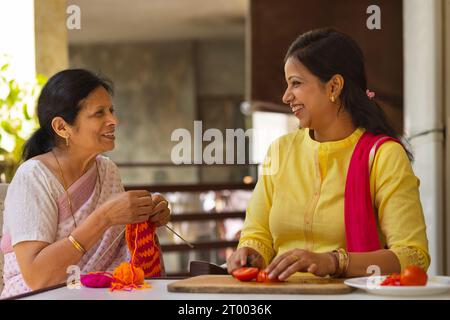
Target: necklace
66,186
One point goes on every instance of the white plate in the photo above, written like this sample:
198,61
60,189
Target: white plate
435,285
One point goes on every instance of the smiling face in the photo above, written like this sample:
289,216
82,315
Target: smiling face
93,130
307,96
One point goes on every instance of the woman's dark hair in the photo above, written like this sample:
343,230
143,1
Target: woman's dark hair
327,52
61,96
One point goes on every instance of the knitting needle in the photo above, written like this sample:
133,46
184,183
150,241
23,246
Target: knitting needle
187,242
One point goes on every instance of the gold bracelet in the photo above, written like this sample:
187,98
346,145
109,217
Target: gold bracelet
347,262
77,245
343,262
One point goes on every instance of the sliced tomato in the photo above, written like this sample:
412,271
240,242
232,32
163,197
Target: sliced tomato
392,280
413,276
264,277
245,273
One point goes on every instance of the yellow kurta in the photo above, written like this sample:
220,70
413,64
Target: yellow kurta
298,201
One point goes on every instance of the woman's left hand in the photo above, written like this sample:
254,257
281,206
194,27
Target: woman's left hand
161,211
298,260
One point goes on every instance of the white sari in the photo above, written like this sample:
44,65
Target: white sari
36,209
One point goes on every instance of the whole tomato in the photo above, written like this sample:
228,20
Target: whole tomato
245,273
413,276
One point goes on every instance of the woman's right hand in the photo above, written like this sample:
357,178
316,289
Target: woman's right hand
128,207
240,257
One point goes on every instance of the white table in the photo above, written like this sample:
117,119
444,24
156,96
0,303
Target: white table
158,291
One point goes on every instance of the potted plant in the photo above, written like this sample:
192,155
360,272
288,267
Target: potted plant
18,118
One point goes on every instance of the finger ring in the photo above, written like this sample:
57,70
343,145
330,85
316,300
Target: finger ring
294,258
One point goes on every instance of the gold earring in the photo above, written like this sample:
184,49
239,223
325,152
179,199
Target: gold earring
333,99
67,141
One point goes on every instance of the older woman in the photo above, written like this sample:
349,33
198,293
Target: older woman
66,204
339,195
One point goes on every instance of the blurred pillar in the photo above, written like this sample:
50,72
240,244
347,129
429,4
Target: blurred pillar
446,38
424,113
51,36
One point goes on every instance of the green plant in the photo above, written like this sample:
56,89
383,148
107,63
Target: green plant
18,119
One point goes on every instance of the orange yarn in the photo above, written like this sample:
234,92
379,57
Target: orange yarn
128,277
145,258
129,274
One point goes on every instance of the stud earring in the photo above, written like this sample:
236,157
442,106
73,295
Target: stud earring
333,99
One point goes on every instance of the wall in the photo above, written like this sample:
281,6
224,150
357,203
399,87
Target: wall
155,94
274,27
164,86
220,78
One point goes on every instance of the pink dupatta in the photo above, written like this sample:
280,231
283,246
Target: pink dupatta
360,224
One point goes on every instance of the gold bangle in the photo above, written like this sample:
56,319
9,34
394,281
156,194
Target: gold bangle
77,245
343,262
346,266
347,262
